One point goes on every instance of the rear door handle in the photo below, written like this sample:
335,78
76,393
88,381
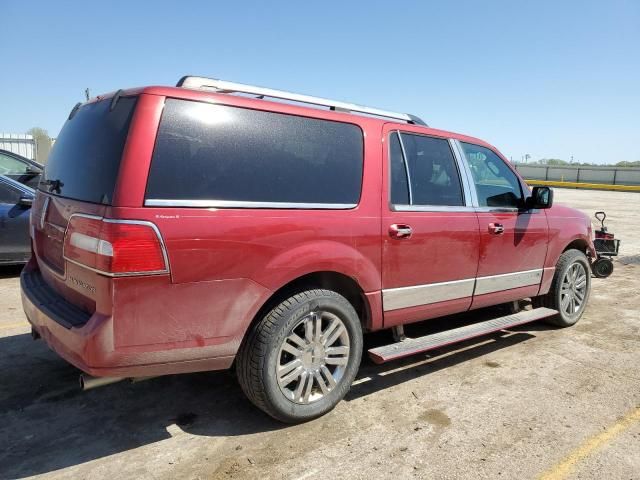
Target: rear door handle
400,230
496,228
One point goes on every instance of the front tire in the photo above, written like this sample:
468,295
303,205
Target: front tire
569,290
300,359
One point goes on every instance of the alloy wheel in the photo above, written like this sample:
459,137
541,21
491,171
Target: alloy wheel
574,289
313,357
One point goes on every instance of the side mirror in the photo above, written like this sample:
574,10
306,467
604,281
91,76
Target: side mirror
541,197
25,201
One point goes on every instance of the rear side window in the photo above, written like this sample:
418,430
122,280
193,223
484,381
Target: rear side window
221,155
84,162
431,168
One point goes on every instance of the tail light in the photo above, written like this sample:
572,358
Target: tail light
115,247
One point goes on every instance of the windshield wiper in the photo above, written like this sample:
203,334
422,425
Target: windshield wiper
54,185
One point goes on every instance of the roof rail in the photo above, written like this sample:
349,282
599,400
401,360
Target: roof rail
222,86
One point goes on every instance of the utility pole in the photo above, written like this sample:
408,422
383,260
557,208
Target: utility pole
86,94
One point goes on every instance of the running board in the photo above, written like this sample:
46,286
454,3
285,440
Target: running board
411,346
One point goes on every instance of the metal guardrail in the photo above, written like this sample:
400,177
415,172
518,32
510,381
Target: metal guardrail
581,175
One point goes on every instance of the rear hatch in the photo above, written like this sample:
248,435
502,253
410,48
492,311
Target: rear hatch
79,177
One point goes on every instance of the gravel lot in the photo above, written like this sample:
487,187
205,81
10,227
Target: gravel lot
531,402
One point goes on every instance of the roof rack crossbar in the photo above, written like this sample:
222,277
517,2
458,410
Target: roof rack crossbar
222,86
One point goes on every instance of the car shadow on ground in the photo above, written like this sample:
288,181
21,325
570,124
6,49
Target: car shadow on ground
10,271
47,423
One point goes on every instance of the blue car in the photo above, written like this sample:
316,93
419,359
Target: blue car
15,205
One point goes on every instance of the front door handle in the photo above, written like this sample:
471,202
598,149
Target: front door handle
400,230
496,228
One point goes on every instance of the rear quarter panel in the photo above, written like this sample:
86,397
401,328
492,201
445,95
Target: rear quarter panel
226,263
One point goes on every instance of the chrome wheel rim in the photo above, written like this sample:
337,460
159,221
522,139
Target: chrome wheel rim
574,289
313,358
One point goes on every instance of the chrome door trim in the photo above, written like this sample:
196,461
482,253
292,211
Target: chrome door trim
160,202
418,295
431,208
467,182
405,297
497,210
507,281
467,170
406,166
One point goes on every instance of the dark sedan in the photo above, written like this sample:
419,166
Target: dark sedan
20,168
15,204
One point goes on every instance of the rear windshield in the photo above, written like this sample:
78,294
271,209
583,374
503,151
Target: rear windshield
84,162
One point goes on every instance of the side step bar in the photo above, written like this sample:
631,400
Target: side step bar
411,346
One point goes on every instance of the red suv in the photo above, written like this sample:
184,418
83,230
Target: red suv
200,227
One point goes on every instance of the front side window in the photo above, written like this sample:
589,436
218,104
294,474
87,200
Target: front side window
431,168
219,155
496,184
12,166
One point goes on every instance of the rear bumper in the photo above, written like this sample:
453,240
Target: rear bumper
87,341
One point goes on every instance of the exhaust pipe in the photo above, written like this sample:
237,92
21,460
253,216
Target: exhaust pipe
87,382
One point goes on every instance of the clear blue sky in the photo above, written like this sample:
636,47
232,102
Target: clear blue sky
547,78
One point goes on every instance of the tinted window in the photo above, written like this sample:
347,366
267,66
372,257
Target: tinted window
11,166
399,184
87,153
496,184
432,170
220,153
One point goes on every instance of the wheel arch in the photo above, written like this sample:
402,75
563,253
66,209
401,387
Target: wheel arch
338,282
325,279
577,244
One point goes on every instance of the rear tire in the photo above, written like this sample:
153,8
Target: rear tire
299,360
569,290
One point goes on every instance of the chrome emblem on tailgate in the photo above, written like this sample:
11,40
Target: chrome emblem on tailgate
79,283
